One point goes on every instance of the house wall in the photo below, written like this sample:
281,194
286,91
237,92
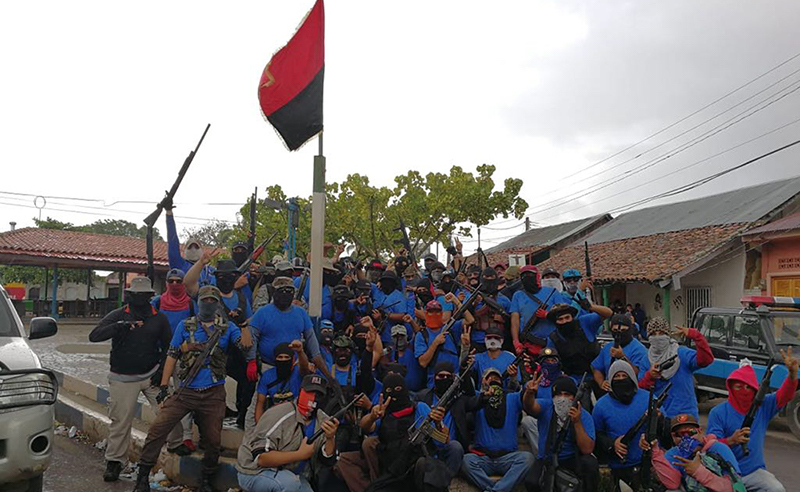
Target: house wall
69,291
780,258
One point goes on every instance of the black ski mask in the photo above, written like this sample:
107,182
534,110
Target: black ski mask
530,283
568,329
225,282
394,386
283,367
239,256
330,278
140,304
623,389
360,339
424,295
326,339
489,281
443,378
283,298
388,285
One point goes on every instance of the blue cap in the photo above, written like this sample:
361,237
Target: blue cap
571,273
176,272
326,324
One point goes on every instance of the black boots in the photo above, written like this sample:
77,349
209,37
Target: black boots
112,471
205,484
143,479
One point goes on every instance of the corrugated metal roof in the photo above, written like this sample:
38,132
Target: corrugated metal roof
789,223
547,236
734,207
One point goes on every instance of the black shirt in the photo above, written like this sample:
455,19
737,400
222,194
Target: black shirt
137,350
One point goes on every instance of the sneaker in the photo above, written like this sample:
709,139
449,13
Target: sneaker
189,444
113,468
181,450
230,413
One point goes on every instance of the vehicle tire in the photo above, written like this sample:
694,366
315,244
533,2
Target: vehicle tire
36,484
793,415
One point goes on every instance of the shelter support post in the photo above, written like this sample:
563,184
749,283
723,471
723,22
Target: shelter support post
667,302
121,289
54,301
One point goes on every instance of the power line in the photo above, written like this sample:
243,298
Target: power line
754,109
676,171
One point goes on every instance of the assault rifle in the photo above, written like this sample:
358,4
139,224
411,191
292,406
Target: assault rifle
653,405
298,295
486,299
251,238
588,263
151,219
406,243
649,435
531,324
549,475
518,363
200,361
337,415
763,389
421,434
256,253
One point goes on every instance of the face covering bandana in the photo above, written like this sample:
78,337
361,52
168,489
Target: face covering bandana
436,275
433,320
424,296
239,257
330,279
446,285
623,389
306,403
529,284
489,286
207,310
561,405
373,275
440,386
663,351
494,343
388,286
742,399
284,369
361,344
553,283
568,330
495,407
193,254
622,337
283,299
140,304
343,358
571,287
550,372
326,339
225,283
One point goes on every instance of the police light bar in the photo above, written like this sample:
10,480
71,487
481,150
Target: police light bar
771,301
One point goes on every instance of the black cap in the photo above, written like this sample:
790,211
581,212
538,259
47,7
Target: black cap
437,266
550,271
559,309
363,285
565,384
283,348
239,244
342,291
496,331
621,319
389,275
315,382
489,272
443,366
226,266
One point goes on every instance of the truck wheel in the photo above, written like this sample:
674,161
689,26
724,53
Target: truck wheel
36,484
793,415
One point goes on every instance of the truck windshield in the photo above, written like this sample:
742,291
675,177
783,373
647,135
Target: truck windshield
7,321
787,329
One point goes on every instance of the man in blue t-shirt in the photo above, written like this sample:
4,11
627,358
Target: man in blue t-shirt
389,307
329,279
281,383
565,428
575,337
192,251
433,344
495,450
401,352
676,364
625,347
204,394
529,305
696,461
616,413
495,356
725,421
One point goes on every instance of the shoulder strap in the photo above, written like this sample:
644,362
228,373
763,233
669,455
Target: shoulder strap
241,301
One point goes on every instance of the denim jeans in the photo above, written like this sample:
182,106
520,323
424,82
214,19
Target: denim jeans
530,426
762,481
513,467
452,454
270,481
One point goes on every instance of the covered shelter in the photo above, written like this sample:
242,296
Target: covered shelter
52,249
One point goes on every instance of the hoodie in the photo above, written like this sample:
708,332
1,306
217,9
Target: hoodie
726,418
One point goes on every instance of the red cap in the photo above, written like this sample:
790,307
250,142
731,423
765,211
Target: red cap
529,268
433,305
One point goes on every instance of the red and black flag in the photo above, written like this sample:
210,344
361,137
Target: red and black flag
290,91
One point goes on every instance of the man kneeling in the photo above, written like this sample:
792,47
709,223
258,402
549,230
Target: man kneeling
276,455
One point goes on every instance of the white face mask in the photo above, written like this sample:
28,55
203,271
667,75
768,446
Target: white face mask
553,283
493,343
192,254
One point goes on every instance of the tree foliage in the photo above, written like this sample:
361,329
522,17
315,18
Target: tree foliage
433,207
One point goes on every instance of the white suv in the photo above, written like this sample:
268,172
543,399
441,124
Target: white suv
27,395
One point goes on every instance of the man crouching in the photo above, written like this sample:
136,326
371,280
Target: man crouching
277,456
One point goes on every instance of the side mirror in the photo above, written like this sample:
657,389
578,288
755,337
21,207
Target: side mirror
42,328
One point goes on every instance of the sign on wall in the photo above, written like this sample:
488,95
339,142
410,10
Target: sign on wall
516,260
791,263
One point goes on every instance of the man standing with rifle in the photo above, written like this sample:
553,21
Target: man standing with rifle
529,324
199,349
566,439
751,401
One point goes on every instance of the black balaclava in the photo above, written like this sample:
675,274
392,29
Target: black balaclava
623,335
283,367
388,285
568,330
441,385
326,338
360,342
283,298
330,278
400,264
489,281
254,277
342,356
400,398
226,281
447,284
239,256
206,310
530,282
140,304
269,273
623,389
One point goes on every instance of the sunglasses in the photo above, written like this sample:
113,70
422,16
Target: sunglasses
174,281
691,432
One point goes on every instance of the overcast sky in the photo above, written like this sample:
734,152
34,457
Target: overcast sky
103,100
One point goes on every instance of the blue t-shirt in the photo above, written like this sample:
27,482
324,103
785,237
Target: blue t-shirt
204,377
446,306
681,398
522,303
479,336
394,303
483,361
176,260
286,390
232,303
447,352
349,377
614,418
174,317
634,351
488,438
719,448
416,377
724,420
327,300
271,326
569,447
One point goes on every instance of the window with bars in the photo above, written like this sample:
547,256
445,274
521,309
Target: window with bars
696,297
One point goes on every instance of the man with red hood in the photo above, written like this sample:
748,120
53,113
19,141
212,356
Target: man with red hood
725,421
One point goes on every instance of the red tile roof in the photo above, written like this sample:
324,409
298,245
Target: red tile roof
647,258
78,249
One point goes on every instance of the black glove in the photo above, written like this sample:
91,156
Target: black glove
162,394
238,317
167,203
451,250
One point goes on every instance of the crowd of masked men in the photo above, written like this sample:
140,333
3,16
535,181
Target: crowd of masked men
418,373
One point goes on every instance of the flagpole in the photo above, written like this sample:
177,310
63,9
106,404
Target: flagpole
317,233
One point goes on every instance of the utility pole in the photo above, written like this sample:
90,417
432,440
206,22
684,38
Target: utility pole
527,224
